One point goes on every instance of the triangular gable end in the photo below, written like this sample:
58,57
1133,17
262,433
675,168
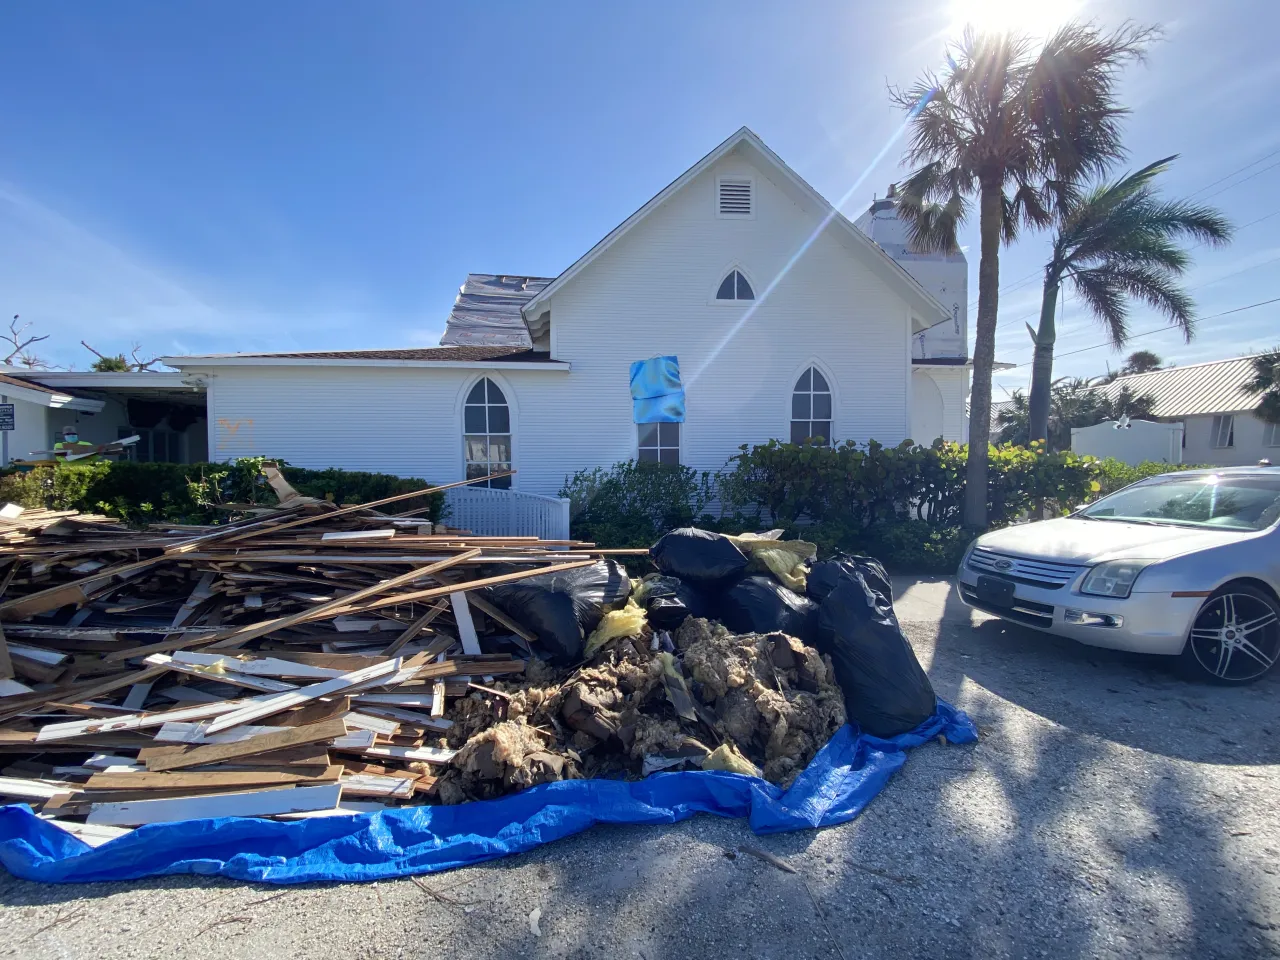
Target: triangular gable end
920,300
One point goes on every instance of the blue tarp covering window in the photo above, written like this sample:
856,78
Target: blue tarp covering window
837,785
657,395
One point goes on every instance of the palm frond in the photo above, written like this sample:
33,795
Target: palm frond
1156,287
1105,299
1266,373
932,203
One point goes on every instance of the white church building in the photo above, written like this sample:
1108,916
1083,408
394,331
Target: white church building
787,319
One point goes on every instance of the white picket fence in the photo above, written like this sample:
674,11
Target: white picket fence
507,513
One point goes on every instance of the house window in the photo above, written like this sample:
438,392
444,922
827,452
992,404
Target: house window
811,408
735,287
486,427
1223,432
1271,435
659,442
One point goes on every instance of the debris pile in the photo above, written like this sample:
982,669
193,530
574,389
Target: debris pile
312,660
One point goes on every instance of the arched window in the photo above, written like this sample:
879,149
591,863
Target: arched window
735,287
486,428
811,408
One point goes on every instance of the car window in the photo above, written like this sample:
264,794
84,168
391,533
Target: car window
1222,502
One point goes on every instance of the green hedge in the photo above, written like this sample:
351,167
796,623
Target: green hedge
902,503
141,493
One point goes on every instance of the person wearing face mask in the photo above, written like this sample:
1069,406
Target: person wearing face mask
71,444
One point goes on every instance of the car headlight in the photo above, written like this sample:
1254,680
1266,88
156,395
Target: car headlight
1114,578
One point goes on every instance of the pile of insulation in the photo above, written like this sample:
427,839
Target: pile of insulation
741,654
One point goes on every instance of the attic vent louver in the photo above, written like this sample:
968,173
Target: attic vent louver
735,198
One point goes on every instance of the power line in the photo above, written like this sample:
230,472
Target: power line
1147,333
1234,172
1232,186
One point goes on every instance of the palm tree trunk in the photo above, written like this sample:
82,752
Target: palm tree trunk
984,356
1042,364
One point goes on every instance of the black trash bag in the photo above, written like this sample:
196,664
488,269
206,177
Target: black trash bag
825,574
669,600
699,556
886,692
763,605
563,608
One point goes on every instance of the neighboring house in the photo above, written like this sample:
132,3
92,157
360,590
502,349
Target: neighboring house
1220,427
166,413
787,319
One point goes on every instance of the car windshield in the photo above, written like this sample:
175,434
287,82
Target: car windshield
1222,502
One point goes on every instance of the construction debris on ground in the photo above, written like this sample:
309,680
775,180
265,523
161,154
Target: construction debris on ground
313,660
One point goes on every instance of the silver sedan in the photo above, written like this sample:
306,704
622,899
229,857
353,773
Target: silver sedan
1183,564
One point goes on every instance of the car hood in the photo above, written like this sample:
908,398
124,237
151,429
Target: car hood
1088,541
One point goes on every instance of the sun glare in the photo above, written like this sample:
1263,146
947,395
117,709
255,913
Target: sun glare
1036,19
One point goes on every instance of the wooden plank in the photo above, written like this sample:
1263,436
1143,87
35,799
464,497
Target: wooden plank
197,780
283,739
377,785
76,592
263,803
294,698
33,789
264,684
356,508
95,835
313,712
6,665
413,630
305,756
257,667
138,721
363,721
466,626
227,531
465,586
12,688
427,754
357,535
14,706
243,635
138,694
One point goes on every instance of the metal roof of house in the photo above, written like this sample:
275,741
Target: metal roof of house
487,310
1214,387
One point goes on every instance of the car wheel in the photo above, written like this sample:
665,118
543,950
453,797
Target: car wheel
1235,638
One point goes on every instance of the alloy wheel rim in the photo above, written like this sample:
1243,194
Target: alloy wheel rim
1236,637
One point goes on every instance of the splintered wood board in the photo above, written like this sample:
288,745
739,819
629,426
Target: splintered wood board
203,779
264,803
294,698
281,739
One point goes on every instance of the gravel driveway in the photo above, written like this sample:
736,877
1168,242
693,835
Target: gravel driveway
1108,810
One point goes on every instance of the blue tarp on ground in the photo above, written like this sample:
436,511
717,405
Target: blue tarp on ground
840,781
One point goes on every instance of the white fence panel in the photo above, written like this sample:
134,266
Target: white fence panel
507,513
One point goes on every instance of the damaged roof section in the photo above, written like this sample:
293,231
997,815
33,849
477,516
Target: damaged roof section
487,311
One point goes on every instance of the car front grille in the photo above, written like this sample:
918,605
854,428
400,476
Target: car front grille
1036,573
1030,612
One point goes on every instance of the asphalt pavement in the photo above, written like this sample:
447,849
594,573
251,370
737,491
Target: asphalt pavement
1109,810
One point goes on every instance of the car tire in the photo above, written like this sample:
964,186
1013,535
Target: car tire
1235,638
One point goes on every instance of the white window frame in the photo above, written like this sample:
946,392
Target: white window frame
715,301
1270,434
751,188
830,391
1222,431
512,419
679,447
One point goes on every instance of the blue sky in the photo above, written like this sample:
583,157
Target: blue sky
212,177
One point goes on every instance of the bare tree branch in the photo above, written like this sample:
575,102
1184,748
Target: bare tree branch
14,337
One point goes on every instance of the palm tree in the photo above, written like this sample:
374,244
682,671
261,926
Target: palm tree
1117,243
1016,128
1266,381
1142,361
